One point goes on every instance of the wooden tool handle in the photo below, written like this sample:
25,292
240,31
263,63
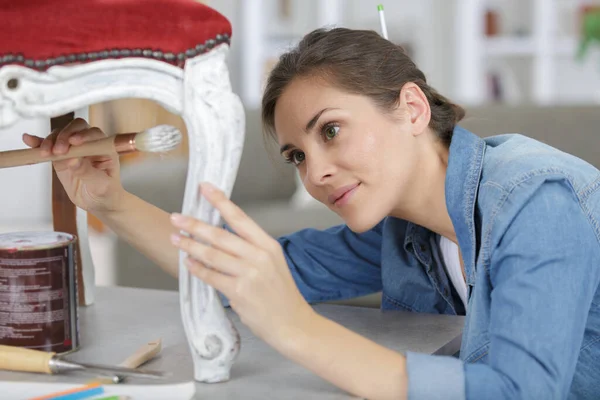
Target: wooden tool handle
16,158
24,360
143,354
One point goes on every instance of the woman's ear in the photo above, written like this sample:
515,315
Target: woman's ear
413,100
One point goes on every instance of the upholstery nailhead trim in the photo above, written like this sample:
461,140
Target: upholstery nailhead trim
177,59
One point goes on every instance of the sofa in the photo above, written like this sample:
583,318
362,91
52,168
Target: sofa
265,185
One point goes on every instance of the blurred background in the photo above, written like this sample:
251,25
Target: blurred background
516,66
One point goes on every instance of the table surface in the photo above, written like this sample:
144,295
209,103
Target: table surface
122,319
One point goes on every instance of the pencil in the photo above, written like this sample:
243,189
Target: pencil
77,393
382,21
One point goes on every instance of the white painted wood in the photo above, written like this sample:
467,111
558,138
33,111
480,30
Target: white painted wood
62,89
81,218
214,117
88,271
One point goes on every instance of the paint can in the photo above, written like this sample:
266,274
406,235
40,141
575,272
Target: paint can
38,291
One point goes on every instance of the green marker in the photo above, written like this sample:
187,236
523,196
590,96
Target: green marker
382,21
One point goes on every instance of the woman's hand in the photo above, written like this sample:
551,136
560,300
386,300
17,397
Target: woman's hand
249,268
92,183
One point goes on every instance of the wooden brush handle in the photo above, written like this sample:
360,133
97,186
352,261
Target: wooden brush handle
143,354
15,158
24,360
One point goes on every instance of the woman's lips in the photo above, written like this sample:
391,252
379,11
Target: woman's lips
342,195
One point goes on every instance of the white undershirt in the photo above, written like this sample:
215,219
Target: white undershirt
449,251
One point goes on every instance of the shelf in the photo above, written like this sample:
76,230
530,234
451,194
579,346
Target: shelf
567,46
509,46
525,46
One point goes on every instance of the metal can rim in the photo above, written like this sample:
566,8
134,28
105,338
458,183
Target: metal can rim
62,239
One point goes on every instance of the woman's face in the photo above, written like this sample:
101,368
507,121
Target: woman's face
351,156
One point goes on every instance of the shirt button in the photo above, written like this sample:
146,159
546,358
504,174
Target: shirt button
422,247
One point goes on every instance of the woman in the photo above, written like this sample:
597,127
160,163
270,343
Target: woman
505,229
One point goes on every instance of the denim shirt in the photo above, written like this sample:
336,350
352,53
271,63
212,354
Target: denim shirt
527,219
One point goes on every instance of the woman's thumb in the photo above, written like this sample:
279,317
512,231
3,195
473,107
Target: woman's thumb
32,141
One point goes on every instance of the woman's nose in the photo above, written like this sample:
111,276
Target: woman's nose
319,169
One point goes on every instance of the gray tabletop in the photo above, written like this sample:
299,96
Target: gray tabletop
122,319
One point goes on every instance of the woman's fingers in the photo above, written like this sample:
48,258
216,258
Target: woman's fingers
103,164
47,143
241,223
213,235
61,144
75,133
32,141
221,282
212,257
57,142
88,135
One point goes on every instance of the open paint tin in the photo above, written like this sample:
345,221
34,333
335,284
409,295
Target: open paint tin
38,291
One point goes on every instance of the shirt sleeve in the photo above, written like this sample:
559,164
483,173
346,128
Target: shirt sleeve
435,377
334,263
544,272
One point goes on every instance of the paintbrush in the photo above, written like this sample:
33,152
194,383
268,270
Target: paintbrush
29,360
142,355
158,139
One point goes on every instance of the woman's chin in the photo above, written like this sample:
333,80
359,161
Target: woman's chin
361,225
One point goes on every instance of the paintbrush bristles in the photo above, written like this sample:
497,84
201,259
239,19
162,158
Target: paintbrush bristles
158,139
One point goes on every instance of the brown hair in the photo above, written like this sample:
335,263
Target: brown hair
359,62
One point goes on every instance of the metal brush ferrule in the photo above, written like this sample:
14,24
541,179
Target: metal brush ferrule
125,143
58,366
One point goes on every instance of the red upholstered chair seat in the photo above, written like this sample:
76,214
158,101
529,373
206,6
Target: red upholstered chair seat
42,33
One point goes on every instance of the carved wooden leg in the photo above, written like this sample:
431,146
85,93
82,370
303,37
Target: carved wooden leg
215,123
66,217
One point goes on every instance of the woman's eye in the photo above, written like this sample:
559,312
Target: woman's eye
297,157
331,132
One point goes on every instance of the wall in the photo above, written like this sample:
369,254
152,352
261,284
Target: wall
26,197
430,26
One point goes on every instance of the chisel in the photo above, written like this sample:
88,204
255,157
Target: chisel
29,360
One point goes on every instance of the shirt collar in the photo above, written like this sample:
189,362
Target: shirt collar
462,183
465,163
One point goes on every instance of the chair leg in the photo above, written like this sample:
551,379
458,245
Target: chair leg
65,219
214,119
